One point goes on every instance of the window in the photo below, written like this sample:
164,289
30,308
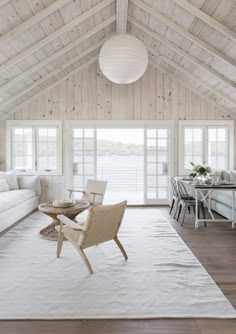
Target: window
22,148
193,146
34,147
134,157
209,142
83,153
218,147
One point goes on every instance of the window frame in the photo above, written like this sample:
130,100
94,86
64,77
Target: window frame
34,124
205,125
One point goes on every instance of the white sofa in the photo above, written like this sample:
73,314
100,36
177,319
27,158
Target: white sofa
221,201
18,203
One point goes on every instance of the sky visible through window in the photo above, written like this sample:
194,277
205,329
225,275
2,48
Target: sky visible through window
124,136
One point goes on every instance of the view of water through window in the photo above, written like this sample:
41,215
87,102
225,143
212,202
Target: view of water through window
120,160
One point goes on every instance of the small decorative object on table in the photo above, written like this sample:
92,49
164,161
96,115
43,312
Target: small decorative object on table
63,203
200,171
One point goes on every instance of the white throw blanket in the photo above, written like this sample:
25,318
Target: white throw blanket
162,278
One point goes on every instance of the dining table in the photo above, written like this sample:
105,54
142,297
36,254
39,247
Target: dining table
203,192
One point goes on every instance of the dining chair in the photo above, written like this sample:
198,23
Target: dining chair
102,224
175,195
186,201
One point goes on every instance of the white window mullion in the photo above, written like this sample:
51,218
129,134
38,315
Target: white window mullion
205,144
34,150
145,165
95,153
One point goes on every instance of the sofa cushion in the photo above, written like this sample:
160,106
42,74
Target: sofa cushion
30,182
4,185
9,199
226,175
11,179
233,176
218,173
224,197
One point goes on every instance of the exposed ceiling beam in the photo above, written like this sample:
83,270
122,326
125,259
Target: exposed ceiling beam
189,85
203,45
32,21
57,54
181,52
53,73
207,19
121,16
81,18
3,2
80,68
193,77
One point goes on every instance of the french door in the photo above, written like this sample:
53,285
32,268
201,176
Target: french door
157,155
135,159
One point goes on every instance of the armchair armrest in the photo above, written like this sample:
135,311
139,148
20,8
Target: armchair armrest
94,196
68,222
76,190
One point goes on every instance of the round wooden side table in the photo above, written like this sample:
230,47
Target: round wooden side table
49,232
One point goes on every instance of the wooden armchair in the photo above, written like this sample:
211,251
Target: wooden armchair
102,225
93,192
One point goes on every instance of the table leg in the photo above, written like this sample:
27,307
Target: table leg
49,232
196,209
207,202
233,209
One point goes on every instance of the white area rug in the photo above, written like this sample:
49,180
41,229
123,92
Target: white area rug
162,278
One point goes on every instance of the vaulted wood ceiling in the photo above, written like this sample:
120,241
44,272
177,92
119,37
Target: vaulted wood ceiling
42,41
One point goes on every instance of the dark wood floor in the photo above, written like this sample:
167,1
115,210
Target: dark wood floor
214,246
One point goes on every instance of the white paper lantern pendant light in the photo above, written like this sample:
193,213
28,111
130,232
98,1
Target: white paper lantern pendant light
123,59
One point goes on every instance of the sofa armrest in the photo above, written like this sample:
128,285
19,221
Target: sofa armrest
30,182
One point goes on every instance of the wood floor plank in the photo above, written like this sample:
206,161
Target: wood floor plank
217,326
162,326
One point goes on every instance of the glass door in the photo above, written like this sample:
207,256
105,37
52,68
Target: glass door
83,156
156,169
135,161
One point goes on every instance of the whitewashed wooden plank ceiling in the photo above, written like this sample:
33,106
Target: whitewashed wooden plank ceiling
43,41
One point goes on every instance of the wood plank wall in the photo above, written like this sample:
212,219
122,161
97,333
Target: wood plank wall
88,95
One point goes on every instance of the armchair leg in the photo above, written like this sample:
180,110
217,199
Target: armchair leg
85,259
59,242
117,241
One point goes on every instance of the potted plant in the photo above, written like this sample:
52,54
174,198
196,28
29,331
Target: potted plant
200,171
